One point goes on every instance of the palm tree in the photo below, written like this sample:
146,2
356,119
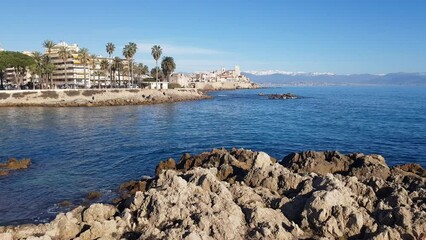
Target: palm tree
48,69
98,73
64,53
129,52
139,70
126,54
105,66
156,52
93,61
84,57
117,65
49,44
37,68
168,66
110,48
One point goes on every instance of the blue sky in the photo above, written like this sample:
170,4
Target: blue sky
341,36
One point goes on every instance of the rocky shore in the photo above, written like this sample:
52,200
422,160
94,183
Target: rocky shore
96,97
241,194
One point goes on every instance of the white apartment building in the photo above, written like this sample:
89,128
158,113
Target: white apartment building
72,72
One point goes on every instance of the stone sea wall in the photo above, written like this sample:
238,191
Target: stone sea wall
96,97
241,194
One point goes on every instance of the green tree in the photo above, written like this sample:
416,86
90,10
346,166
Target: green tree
168,66
93,64
105,68
156,72
16,60
139,70
117,66
98,73
37,67
49,44
2,73
48,69
84,56
64,53
156,52
110,48
129,52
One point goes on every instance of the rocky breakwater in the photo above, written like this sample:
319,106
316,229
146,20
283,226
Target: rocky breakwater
96,97
241,194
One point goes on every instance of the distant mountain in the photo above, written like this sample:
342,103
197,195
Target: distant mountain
301,78
271,72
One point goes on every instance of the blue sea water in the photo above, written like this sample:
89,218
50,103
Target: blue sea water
77,150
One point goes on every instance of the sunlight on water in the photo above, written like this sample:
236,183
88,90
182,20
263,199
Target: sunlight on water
77,150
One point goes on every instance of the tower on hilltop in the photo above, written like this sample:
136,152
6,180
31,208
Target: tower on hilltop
237,70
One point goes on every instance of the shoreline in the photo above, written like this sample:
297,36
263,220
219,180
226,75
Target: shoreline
96,97
108,97
240,194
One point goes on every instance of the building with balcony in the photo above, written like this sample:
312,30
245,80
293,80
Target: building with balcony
75,74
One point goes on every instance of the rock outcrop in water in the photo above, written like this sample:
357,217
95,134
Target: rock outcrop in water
12,165
241,194
281,96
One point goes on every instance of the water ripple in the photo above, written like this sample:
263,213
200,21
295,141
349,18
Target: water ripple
77,150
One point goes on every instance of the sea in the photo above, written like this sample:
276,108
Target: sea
78,150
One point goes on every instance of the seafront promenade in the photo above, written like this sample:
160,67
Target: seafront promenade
95,97
111,97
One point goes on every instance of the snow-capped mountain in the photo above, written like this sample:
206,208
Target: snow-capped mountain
274,77
271,72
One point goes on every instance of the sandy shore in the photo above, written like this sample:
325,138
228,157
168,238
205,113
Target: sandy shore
96,97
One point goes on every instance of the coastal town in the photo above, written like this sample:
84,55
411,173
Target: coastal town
68,66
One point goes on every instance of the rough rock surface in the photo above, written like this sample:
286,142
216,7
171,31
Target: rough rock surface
241,194
282,96
13,164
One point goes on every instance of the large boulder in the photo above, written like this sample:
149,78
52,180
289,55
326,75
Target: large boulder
364,167
369,166
190,204
332,212
317,162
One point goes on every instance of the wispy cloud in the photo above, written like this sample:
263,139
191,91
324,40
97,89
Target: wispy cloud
171,49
